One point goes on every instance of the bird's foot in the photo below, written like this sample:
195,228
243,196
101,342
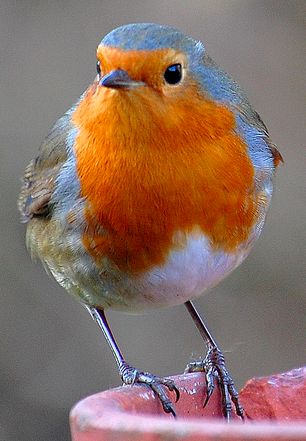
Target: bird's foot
159,385
214,367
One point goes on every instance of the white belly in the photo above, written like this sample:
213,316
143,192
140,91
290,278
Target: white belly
188,271
186,274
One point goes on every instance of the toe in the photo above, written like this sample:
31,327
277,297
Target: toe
167,404
158,385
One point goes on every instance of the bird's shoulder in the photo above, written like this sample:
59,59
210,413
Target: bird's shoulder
40,175
253,120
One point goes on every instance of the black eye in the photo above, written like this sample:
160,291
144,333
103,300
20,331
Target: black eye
173,74
98,68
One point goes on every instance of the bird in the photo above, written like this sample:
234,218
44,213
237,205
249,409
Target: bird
151,189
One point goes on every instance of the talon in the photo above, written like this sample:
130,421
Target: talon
169,409
177,393
214,367
235,398
131,376
240,411
172,387
227,409
208,395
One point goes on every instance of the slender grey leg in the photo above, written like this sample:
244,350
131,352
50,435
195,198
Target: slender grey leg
214,366
205,334
129,374
100,319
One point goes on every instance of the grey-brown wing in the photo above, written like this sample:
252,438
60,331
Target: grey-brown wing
39,177
253,118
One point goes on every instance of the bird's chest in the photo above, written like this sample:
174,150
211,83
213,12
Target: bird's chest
143,188
136,225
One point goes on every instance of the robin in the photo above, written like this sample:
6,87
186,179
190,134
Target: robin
151,189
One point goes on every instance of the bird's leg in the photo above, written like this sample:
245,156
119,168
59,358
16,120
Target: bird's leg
214,367
129,374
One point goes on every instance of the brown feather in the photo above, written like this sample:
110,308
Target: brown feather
40,174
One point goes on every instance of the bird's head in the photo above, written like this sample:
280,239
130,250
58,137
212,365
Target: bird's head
156,78
146,55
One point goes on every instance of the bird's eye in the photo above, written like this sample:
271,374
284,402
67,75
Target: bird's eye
173,74
98,68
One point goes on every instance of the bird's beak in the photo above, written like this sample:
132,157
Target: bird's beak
119,79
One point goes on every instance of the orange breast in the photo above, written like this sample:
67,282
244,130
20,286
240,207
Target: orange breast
150,165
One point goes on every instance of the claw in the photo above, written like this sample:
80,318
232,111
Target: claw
227,404
166,403
177,393
169,408
158,385
172,387
214,367
208,394
235,399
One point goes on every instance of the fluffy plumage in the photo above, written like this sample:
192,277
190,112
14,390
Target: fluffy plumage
128,181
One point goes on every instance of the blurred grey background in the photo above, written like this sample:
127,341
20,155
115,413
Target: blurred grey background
52,354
